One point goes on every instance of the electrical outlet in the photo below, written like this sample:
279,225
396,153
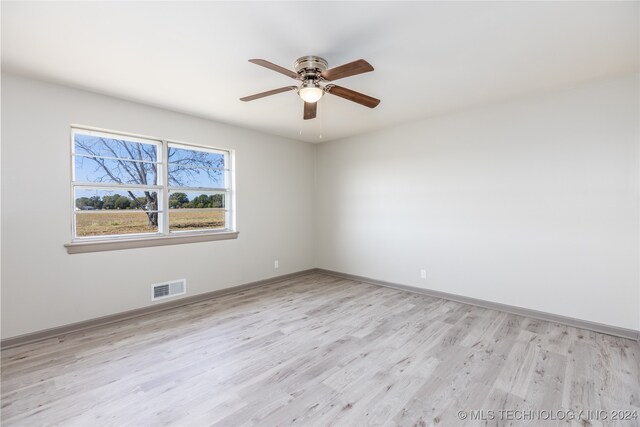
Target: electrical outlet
276,264
423,274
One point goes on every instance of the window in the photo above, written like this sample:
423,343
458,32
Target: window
127,187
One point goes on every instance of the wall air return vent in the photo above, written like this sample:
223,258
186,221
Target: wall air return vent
168,289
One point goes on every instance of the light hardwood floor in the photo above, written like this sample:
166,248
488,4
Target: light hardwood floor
315,351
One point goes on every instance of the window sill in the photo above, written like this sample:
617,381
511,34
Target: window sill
147,242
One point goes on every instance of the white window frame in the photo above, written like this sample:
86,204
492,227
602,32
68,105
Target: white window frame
162,187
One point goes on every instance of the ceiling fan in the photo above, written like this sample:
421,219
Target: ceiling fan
314,73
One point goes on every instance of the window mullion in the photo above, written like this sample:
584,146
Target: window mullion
116,186
165,188
198,189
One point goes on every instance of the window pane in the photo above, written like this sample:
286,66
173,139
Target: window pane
195,157
195,200
191,176
96,199
90,169
201,219
115,222
114,147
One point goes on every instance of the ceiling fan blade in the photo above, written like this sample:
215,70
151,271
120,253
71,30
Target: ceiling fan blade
310,110
268,93
352,95
351,69
275,67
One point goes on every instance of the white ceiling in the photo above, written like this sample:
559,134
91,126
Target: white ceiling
430,57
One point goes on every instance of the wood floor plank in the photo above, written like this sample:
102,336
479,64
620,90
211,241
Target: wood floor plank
317,351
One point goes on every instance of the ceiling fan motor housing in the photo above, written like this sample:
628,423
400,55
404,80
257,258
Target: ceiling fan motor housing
310,67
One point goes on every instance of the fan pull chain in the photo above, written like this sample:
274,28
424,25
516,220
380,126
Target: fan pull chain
320,113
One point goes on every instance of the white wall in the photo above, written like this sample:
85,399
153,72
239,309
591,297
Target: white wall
44,287
532,203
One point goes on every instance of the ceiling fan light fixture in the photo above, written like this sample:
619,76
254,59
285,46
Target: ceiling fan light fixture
311,93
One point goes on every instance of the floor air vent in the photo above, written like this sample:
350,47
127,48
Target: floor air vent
168,289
